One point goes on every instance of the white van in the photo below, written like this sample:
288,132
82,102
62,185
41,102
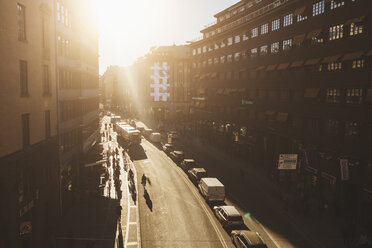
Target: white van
155,137
212,189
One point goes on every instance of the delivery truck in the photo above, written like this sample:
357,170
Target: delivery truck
212,189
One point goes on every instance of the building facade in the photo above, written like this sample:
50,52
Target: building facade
293,77
162,83
78,90
28,123
49,109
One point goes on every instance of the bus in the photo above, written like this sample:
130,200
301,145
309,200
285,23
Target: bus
127,134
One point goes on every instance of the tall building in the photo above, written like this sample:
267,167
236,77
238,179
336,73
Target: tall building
28,123
49,109
162,82
294,77
78,90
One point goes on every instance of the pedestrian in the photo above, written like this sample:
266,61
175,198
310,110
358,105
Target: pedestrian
144,179
130,174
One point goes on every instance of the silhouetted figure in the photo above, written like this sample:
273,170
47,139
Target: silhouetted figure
143,180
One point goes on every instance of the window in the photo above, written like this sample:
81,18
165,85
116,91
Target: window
204,49
333,95
358,63
318,8
210,62
47,123
223,44
354,96
355,29
263,50
336,32
301,18
334,66
229,58
210,47
21,15
254,52
204,63
26,130
45,32
332,127
194,51
222,59
245,37
336,4
229,41
63,15
264,28
216,60
351,128
287,44
275,25
237,38
288,20
254,32
46,80
216,46
199,50
275,47
236,57
23,77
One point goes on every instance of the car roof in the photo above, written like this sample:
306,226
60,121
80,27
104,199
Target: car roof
230,210
252,237
189,160
213,180
199,170
168,144
155,133
181,152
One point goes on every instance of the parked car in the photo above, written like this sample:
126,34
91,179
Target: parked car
173,134
187,164
167,148
228,216
212,189
155,137
196,174
147,132
177,156
247,239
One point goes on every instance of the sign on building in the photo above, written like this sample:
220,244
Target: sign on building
287,161
160,81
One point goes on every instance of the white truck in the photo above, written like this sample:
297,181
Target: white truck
212,189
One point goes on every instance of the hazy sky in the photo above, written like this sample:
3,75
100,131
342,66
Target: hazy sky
129,28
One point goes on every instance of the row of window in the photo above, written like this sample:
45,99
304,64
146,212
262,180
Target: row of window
63,14
70,139
23,79
74,108
238,10
335,32
64,46
26,127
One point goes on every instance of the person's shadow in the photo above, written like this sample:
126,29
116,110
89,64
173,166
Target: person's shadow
148,200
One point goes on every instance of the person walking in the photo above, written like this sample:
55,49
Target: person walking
143,180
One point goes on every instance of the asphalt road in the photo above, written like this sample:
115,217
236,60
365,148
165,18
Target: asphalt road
173,214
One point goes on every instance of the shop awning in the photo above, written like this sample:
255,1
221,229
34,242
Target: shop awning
311,92
283,66
312,61
354,20
369,95
297,63
282,117
351,56
270,68
260,67
299,11
269,112
298,38
330,59
314,33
